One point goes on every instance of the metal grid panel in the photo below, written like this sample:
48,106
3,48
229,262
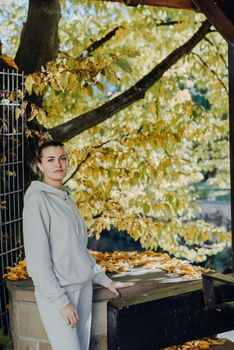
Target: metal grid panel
11,178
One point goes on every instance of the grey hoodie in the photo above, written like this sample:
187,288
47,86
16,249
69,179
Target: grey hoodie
55,241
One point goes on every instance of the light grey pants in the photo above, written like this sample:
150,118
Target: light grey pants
61,335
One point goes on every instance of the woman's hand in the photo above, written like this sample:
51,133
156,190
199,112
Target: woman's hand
115,285
70,315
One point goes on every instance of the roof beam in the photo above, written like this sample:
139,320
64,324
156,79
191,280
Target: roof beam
220,14
179,4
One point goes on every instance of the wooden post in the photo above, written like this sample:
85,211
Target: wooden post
231,137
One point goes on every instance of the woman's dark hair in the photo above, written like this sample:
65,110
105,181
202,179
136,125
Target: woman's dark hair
47,143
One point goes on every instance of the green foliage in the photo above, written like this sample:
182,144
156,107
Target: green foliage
5,341
69,74
12,16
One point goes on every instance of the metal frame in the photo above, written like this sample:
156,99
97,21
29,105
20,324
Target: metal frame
11,179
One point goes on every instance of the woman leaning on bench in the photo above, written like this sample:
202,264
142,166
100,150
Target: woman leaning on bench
57,259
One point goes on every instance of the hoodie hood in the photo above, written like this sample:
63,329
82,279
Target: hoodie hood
36,186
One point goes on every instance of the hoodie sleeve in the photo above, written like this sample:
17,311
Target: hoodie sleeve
99,274
36,223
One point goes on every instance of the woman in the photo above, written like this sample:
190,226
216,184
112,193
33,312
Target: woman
55,239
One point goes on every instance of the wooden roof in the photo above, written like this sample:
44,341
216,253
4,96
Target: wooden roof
180,4
219,12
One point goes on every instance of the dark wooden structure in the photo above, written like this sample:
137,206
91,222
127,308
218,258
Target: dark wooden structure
184,4
221,14
231,135
209,291
168,316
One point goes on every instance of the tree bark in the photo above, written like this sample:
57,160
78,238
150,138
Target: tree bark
39,42
95,45
68,130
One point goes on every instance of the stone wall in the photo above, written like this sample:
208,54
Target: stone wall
28,332
27,329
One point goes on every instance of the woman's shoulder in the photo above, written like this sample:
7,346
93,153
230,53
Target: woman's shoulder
33,195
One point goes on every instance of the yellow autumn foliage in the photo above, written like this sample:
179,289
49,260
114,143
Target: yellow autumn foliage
124,261
137,170
200,344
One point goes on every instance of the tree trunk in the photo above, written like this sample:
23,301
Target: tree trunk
39,42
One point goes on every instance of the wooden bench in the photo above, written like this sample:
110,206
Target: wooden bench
157,319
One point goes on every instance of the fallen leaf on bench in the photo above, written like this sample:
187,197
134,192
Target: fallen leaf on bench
124,261
201,344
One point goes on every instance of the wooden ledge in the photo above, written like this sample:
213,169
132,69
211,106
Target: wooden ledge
144,280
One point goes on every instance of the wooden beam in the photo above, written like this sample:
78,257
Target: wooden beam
162,318
220,14
179,4
231,137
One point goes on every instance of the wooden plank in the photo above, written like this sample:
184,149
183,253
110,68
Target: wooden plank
228,278
166,317
229,345
179,4
220,14
208,290
231,136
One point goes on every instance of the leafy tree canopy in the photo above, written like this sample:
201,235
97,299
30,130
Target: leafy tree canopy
139,94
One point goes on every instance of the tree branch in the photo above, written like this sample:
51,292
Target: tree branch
87,120
95,45
168,23
211,70
218,53
88,155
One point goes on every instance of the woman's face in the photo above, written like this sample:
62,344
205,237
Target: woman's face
54,163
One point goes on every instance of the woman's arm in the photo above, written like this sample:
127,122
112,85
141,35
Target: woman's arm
101,278
37,250
99,274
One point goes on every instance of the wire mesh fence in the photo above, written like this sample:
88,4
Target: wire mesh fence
11,178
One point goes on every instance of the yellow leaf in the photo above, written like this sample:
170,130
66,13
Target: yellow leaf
29,81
